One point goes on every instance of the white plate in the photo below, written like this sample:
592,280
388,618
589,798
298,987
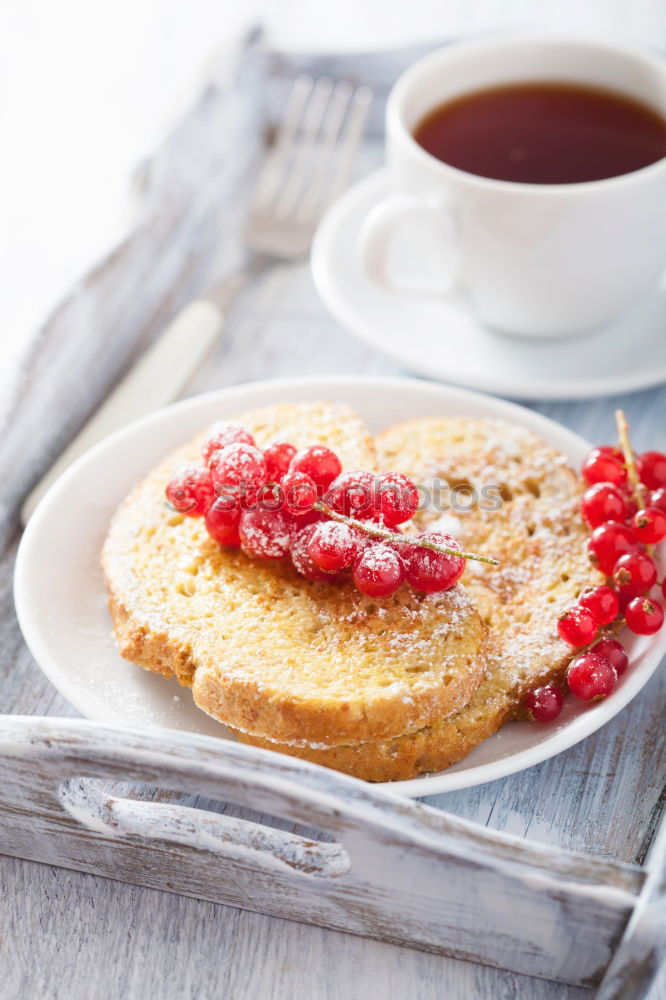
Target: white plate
440,338
60,595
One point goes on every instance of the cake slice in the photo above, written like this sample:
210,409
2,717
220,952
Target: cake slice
269,653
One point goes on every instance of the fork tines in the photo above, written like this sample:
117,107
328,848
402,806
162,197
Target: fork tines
314,146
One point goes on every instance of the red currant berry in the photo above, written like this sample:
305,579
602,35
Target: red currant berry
652,469
265,534
577,626
544,703
333,546
603,465
602,602
220,435
239,470
303,561
614,651
649,525
190,490
378,571
396,498
318,462
269,497
608,542
351,493
635,573
613,450
591,677
643,616
278,455
603,502
658,500
663,587
300,492
222,519
430,571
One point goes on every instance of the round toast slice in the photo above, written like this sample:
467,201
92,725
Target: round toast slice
267,652
540,538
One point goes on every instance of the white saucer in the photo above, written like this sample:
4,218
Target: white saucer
61,600
440,338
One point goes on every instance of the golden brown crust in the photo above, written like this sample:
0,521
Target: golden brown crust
272,654
432,748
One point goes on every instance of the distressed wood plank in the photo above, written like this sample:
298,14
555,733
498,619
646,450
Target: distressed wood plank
396,870
123,942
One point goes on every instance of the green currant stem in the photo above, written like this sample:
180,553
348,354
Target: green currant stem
608,632
390,536
629,458
630,462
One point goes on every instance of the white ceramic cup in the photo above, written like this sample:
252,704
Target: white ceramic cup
535,259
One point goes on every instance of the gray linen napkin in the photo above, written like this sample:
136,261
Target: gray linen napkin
188,227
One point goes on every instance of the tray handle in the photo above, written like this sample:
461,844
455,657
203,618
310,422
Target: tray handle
417,877
91,805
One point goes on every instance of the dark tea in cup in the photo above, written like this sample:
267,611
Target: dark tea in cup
543,204
544,133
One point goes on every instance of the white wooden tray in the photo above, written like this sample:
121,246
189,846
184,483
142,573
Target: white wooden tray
92,798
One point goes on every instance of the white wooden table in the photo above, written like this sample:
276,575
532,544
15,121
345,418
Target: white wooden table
75,936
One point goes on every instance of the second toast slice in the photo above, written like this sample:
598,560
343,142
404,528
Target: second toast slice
536,531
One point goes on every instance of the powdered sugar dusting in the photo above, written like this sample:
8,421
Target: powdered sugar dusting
536,532
379,558
333,532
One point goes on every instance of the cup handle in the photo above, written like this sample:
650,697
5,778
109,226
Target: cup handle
381,228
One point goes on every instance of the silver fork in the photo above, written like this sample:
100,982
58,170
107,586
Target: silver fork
307,167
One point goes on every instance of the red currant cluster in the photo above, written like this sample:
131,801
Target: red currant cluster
280,502
625,506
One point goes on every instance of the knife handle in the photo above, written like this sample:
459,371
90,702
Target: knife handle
157,378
